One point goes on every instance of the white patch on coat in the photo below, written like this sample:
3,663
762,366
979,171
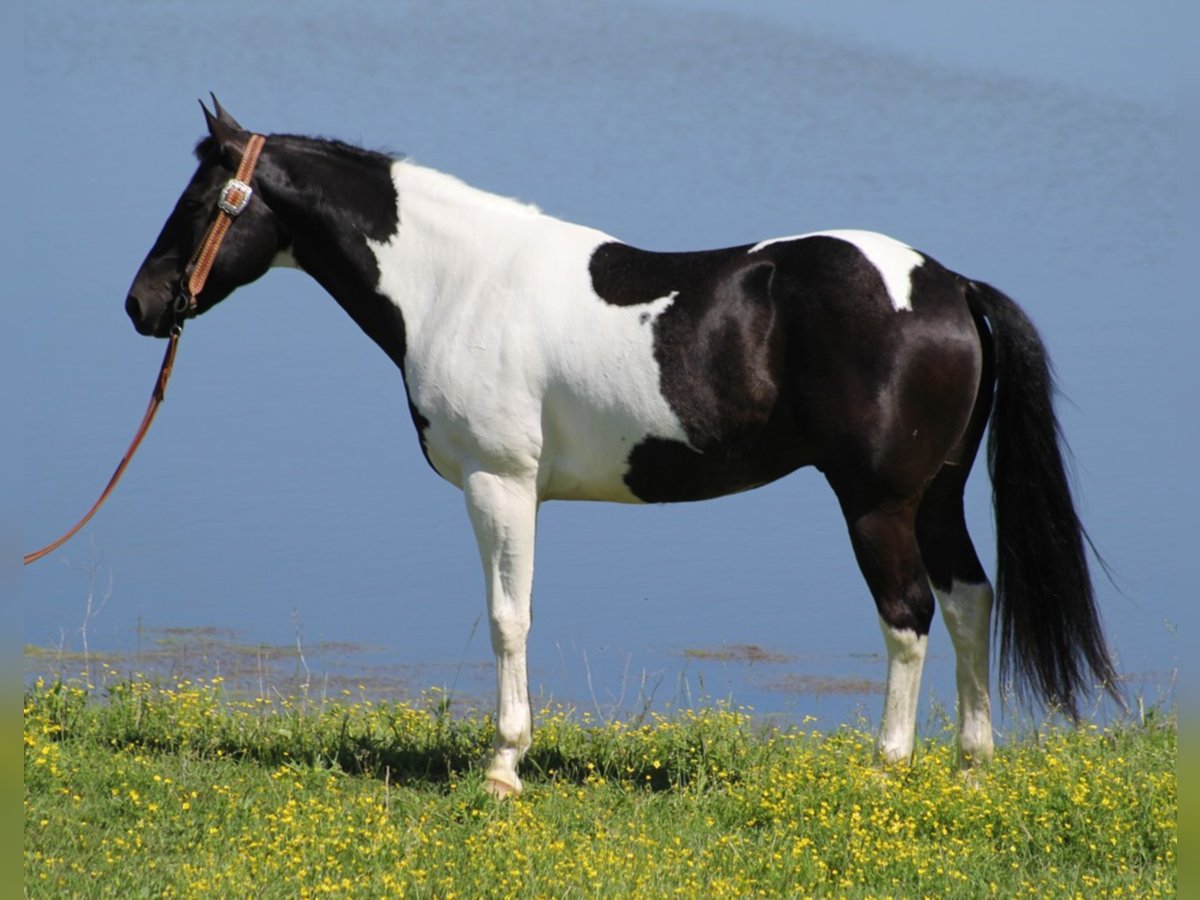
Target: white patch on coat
519,367
893,260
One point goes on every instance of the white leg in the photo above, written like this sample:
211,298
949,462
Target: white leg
503,510
967,611
906,659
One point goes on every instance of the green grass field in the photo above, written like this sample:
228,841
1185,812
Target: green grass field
180,789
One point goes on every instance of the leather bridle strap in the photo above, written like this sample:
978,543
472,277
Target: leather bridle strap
235,196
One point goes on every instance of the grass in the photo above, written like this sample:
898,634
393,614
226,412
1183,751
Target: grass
182,789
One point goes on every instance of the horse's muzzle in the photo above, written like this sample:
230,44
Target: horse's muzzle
154,319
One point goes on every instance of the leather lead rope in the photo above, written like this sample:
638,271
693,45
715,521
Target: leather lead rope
233,199
156,398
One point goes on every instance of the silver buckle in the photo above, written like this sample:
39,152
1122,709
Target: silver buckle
234,196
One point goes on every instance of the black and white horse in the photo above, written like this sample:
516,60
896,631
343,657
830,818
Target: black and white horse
545,360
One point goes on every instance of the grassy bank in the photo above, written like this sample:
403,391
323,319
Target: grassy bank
180,790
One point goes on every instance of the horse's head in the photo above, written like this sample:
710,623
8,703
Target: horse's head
159,297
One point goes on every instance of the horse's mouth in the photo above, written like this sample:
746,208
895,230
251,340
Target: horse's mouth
157,324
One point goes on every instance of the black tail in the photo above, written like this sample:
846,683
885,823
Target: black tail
1050,633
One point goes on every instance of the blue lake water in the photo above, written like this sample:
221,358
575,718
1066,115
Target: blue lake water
282,498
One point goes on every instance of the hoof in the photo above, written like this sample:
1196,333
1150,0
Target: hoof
501,790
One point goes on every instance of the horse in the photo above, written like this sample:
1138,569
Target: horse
544,360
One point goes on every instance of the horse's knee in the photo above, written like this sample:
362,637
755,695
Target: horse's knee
509,629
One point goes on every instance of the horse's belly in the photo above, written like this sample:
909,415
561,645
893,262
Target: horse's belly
586,448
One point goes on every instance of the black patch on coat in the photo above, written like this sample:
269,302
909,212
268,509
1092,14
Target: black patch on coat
720,351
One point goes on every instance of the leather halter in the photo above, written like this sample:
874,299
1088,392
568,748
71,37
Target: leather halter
235,196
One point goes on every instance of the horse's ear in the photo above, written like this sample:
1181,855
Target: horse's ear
225,130
223,114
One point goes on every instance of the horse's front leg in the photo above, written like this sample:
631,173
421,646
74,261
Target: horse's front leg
503,511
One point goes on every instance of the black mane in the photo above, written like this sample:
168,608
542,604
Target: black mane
207,145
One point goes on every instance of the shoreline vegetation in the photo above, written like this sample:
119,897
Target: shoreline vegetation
183,787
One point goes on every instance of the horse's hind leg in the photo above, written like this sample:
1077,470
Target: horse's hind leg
884,539
965,596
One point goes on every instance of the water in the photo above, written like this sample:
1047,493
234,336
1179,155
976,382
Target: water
282,499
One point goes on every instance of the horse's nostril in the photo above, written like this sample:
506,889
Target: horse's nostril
136,311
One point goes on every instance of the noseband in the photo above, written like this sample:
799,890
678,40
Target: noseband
234,198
